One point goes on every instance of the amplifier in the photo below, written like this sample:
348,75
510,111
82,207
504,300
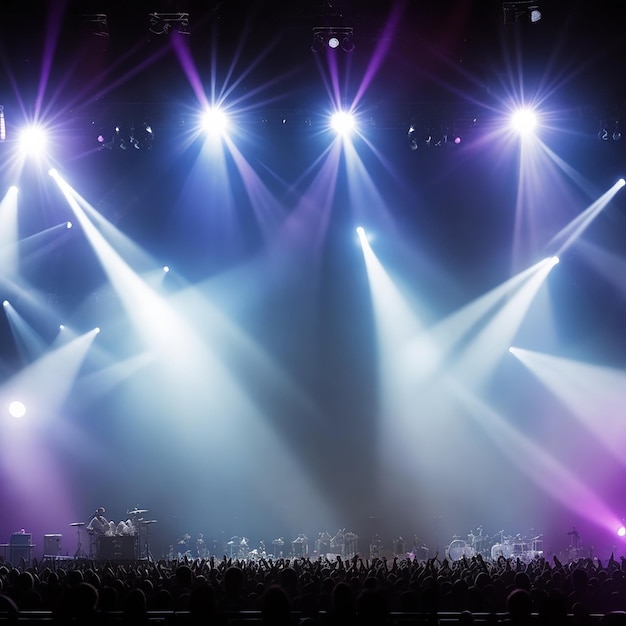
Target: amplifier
52,545
19,548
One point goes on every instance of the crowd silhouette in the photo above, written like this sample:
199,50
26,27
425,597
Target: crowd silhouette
324,592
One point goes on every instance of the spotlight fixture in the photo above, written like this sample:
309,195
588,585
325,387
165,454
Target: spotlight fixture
617,133
3,128
95,25
610,129
332,37
521,11
433,134
412,138
603,133
165,23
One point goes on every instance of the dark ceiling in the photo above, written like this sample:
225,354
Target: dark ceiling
453,50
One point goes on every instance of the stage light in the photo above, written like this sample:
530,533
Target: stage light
147,136
95,25
13,189
621,531
360,231
603,133
17,409
166,23
342,122
61,326
134,142
5,303
214,120
32,141
347,45
3,128
555,260
68,225
521,11
412,138
97,330
52,172
524,121
332,37
617,133
318,44
621,182
166,268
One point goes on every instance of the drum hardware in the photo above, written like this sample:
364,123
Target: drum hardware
137,512
233,547
80,553
146,524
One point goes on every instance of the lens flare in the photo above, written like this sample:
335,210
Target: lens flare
524,121
17,409
33,141
214,120
342,122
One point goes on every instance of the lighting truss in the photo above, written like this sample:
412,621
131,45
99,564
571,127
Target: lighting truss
333,37
166,23
521,11
95,25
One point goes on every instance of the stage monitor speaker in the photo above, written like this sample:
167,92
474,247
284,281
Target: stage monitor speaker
52,545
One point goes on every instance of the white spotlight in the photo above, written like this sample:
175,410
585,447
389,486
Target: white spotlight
97,330
621,531
5,303
333,42
621,182
61,326
554,260
524,121
32,141
214,120
342,122
52,172
68,225
166,268
13,189
360,231
17,409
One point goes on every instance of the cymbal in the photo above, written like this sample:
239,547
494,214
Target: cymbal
77,524
137,512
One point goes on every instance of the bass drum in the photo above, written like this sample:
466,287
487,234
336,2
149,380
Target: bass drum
501,549
459,549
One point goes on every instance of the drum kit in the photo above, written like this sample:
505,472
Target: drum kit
128,538
494,547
